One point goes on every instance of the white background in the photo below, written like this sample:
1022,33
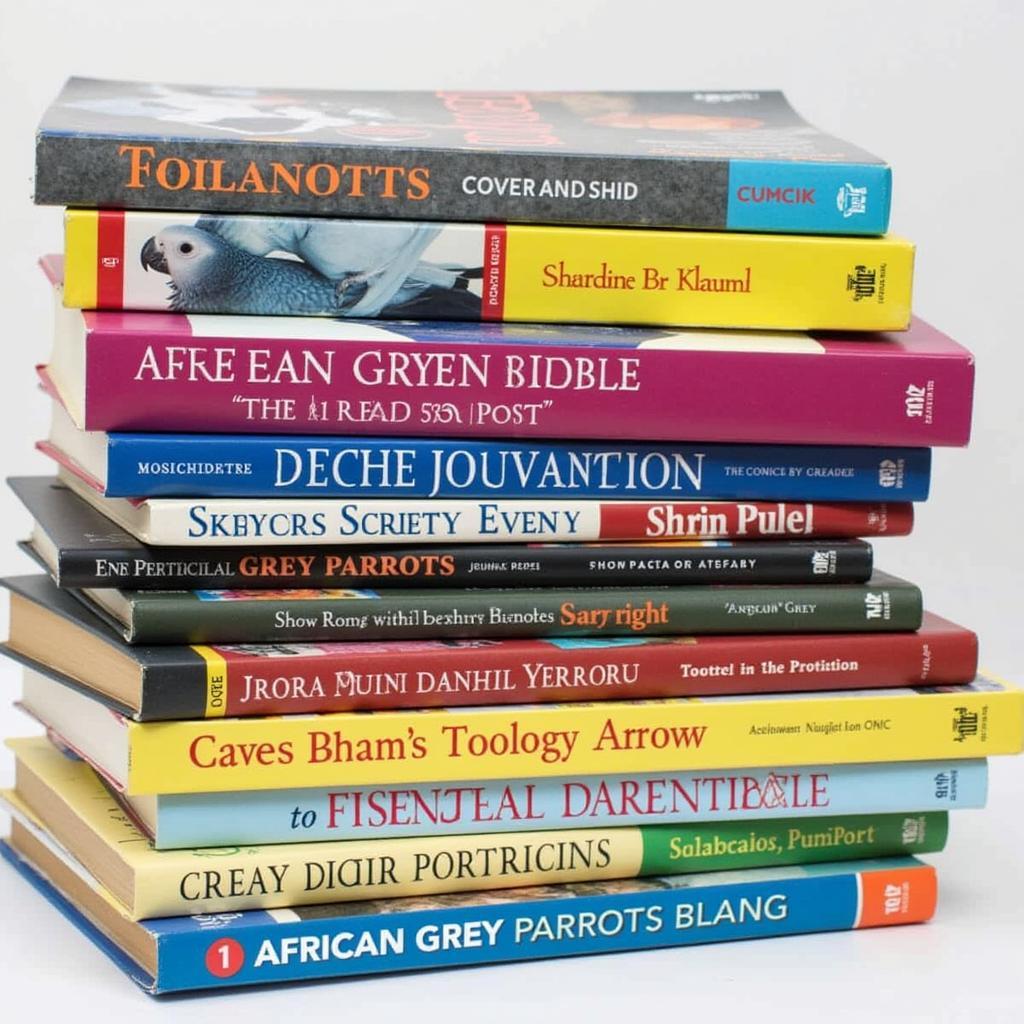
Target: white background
933,87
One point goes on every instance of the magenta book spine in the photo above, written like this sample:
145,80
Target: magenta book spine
848,393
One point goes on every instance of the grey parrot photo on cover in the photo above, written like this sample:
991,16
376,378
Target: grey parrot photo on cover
330,268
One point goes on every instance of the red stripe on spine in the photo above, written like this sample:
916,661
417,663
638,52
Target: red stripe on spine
495,245
110,260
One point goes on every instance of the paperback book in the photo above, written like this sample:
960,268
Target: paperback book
51,629
226,374
223,522
978,719
179,954
883,604
67,797
403,270
728,160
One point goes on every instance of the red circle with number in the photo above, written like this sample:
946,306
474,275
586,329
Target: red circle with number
225,958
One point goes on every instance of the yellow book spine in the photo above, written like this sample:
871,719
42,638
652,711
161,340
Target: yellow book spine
706,279
644,736
72,803
81,245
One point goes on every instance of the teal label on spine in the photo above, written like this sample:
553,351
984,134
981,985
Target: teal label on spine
811,198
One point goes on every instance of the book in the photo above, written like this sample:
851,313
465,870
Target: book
180,954
52,630
238,465
67,797
185,820
978,719
223,522
883,604
727,160
79,547
225,374
401,270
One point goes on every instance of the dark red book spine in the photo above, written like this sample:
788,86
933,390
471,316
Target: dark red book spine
283,679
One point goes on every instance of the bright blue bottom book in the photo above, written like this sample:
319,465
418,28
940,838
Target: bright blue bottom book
346,940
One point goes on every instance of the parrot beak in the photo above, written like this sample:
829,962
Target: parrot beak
152,256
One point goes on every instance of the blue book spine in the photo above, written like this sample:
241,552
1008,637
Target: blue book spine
198,465
265,947
815,198
185,821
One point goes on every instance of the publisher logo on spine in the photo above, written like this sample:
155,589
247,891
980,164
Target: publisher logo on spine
878,605
967,724
862,282
823,563
890,473
852,201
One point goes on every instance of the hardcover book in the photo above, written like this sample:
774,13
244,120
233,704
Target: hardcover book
254,947
400,270
238,465
186,820
53,630
82,548
243,522
67,797
224,374
978,719
883,604
729,160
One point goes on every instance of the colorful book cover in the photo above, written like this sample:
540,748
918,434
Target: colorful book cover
256,466
978,719
253,947
50,628
222,522
739,160
67,797
185,820
883,604
82,548
402,270
225,374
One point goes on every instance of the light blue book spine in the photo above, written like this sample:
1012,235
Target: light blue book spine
368,812
822,198
211,465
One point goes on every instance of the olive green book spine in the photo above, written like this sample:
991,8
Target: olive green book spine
883,604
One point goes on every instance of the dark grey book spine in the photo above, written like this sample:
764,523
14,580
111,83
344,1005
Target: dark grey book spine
389,182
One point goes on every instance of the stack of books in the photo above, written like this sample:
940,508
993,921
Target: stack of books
459,548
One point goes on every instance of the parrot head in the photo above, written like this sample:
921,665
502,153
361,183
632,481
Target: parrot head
180,251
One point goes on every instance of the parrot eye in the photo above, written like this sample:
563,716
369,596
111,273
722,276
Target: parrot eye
185,248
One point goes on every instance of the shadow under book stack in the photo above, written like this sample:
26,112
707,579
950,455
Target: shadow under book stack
398,612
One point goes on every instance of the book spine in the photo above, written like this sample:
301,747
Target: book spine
677,192
365,812
135,381
490,272
577,739
174,884
713,909
468,565
192,465
304,521
363,676
266,947
263,616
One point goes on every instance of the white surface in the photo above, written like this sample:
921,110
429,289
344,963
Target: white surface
936,89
